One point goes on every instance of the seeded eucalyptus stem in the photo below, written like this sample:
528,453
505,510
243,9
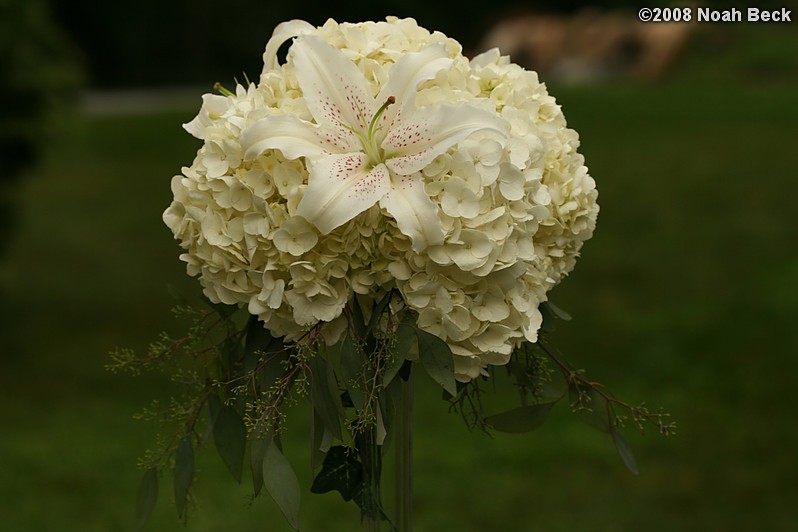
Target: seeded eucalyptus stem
367,441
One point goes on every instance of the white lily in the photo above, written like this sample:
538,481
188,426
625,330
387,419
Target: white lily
361,149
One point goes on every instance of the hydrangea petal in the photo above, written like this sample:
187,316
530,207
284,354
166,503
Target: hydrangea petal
213,107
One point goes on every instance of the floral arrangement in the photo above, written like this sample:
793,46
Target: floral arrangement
374,201
378,158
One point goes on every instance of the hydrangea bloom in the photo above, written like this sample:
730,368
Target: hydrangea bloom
307,193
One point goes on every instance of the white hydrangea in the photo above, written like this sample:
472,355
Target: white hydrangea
512,202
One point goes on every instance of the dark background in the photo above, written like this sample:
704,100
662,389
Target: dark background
685,298
179,42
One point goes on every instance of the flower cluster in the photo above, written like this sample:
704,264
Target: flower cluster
379,158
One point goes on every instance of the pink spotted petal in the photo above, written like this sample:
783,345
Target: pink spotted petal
413,144
406,75
335,91
340,187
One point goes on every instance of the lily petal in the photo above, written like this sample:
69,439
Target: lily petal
283,32
406,75
335,91
287,133
412,145
415,213
340,187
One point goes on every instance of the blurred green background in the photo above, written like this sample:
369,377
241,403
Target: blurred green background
685,297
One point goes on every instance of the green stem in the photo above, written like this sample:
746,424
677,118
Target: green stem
370,456
404,459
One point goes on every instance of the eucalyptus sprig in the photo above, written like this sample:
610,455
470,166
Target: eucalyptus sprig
530,371
243,379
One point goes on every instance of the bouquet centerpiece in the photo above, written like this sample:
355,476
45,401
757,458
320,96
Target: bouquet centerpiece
375,202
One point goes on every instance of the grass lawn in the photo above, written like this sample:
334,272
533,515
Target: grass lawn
685,298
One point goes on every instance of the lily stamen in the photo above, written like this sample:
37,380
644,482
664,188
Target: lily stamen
390,101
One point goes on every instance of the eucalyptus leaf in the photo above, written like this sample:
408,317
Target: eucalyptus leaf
214,407
370,505
389,397
258,337
624,451
547,325
146,497
259,342
229,436
359,322
184,473
351,371
319,435
324,395
224,311
436,357
377,312
208,432
405,337
380,429
281,482
257,448
519,372
521,419
341,471
557,311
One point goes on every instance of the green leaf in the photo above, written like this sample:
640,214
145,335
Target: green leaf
405,337
324,395
214,407
388,397
557,311
521,419
624,451
281,482
322,439
258,337
437,359
184,473
224,311
359,322
257,448
519,371
377,311
260,344
370,505
341,471
146,496
351,371
551,313
229,436
208,432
